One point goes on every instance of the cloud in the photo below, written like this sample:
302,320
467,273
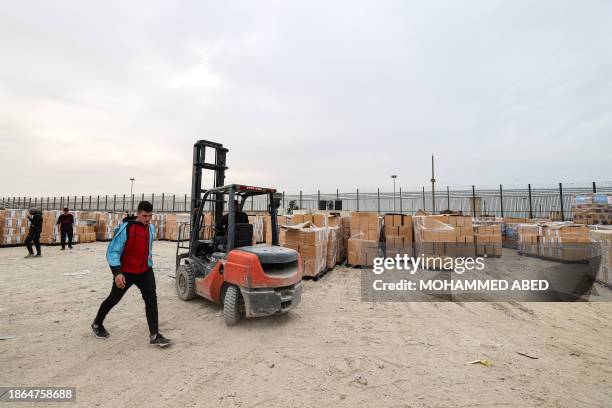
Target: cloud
314,95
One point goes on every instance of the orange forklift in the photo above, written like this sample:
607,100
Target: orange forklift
248,280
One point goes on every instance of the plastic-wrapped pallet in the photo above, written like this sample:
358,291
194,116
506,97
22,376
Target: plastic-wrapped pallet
177,225
443,236
258,228
363,243
398,235
311,243
50,233
564,241
528,238
159,221
332,246
280,220
488,238
86,226
107,222
593,209
15,227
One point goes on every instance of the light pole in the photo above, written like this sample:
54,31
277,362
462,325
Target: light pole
132,179
394,176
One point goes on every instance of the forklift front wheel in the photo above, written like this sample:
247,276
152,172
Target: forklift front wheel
185,282
233,306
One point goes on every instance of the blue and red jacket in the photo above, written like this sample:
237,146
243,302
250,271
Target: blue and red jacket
131,249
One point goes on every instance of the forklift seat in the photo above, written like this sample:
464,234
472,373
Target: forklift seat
243,236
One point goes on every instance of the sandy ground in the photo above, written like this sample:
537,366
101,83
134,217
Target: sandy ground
333,350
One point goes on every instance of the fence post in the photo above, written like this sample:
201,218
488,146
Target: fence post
319,199
357,200
98,203
30,202
106,202
132,204
68,201
173,202
75,202
424,205
473,201
530,205
47,203
163,198
501,200
114,202
378,199
561,201
447,198
300,199
284,200
400,197
152,200
337,195
186,204
594,188
82,202
35,201
251,203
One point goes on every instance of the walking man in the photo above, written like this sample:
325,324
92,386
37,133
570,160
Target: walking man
66,221
36,222
130,256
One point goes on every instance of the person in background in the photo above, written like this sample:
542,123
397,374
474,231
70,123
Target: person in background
36,222
130,257
66,222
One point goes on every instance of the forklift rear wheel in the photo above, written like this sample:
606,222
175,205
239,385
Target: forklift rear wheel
233,306
185,282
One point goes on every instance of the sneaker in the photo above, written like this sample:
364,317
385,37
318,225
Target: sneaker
159,340
63,249
38,255
29,256
99,331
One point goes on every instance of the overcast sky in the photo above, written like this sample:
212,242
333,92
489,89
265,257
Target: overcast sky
305,94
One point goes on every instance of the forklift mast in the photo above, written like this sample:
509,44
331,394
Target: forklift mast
218,167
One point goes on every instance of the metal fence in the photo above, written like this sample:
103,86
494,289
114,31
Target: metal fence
530,201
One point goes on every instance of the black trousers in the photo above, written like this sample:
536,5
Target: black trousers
33,237
66,232
146,283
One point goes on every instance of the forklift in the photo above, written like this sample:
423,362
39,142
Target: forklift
226,268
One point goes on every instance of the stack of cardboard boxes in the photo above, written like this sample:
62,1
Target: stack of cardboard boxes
488,239
527,242
107,222
311,243
14,226
443,236
604,240
257,221
363,243
593,209
398,235
280,220
564,242
177,225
